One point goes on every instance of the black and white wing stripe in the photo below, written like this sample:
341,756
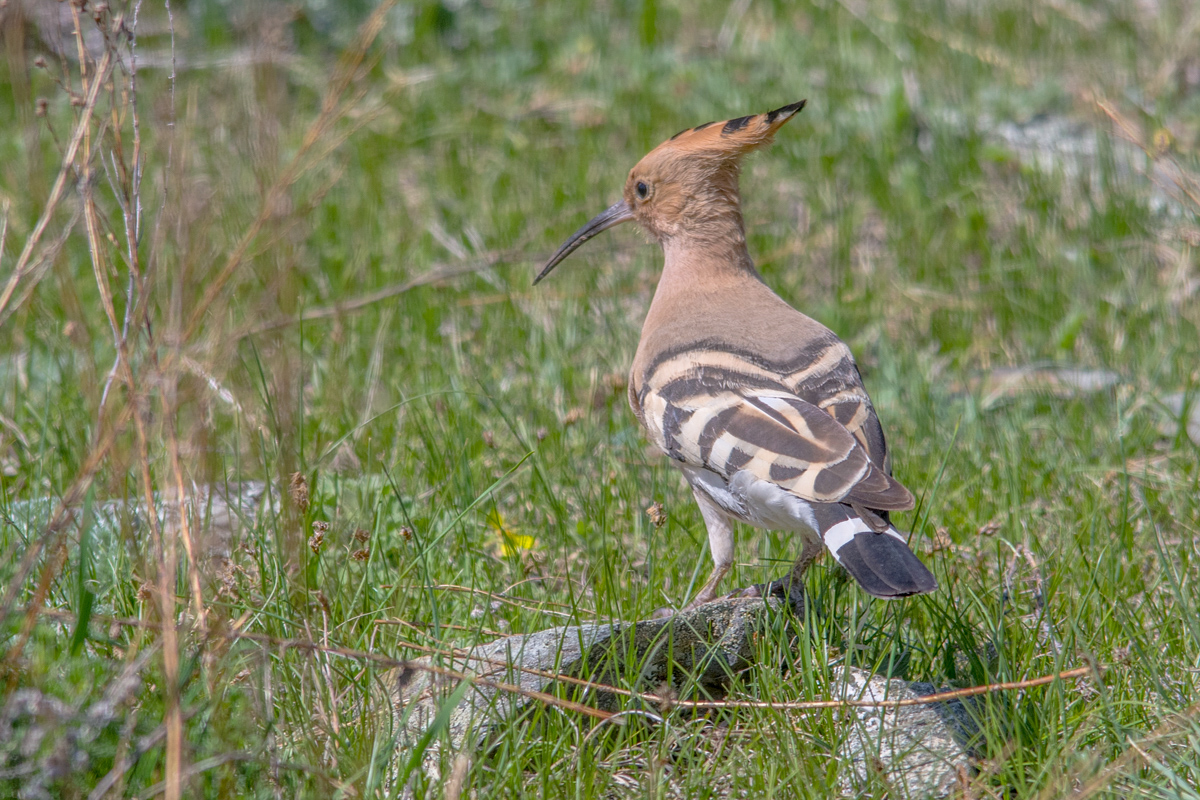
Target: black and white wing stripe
722,412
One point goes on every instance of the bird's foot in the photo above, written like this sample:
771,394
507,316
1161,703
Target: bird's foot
788,589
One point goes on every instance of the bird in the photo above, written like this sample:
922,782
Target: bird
761,407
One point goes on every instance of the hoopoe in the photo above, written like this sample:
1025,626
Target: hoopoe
761,407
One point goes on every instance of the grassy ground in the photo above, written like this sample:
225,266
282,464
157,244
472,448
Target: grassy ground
465,436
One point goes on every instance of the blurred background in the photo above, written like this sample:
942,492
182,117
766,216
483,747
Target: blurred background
268,265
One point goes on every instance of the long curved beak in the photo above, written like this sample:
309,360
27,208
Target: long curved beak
613,215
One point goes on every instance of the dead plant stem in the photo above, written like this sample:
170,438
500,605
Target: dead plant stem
56,192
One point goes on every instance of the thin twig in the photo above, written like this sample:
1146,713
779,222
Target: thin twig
315,647
44,261
802,705
56,192
940,697
16,430
450,587
199,611
125,764
164,551
4,225
1183,181
420,627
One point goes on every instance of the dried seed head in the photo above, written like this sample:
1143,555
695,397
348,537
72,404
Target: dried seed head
667,694
39,62
361,555
362,536
145,592
39,107
317,540
941,541
406,533
988,528
298,488
658,517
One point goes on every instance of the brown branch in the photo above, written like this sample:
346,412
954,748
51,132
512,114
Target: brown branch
1130,134
345,652
185,531
362,655
450,587
940,697
801,705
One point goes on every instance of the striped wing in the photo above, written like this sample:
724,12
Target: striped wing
852,409
803,422
775,435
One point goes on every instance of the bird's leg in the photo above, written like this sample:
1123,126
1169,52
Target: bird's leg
720,544
791,586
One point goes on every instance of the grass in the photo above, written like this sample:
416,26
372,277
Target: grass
471,431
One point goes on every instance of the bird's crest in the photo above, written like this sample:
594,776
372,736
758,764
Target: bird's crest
734,137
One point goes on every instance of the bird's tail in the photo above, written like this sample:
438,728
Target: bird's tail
880,561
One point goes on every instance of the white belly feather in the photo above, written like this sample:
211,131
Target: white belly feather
754,501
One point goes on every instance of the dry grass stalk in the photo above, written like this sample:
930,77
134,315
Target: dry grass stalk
137,370
22,267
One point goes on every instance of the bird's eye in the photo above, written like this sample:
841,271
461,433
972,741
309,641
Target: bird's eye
642,189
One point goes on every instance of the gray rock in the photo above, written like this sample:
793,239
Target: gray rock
696,653
916,750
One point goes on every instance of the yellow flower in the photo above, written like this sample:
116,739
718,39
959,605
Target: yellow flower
511,542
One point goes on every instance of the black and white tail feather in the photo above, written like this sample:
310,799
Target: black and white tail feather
880,561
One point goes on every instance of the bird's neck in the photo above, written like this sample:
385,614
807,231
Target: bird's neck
718,256
707,264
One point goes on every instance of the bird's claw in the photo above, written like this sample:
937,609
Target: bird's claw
789,590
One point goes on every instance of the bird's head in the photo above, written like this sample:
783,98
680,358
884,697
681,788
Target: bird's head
688,185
